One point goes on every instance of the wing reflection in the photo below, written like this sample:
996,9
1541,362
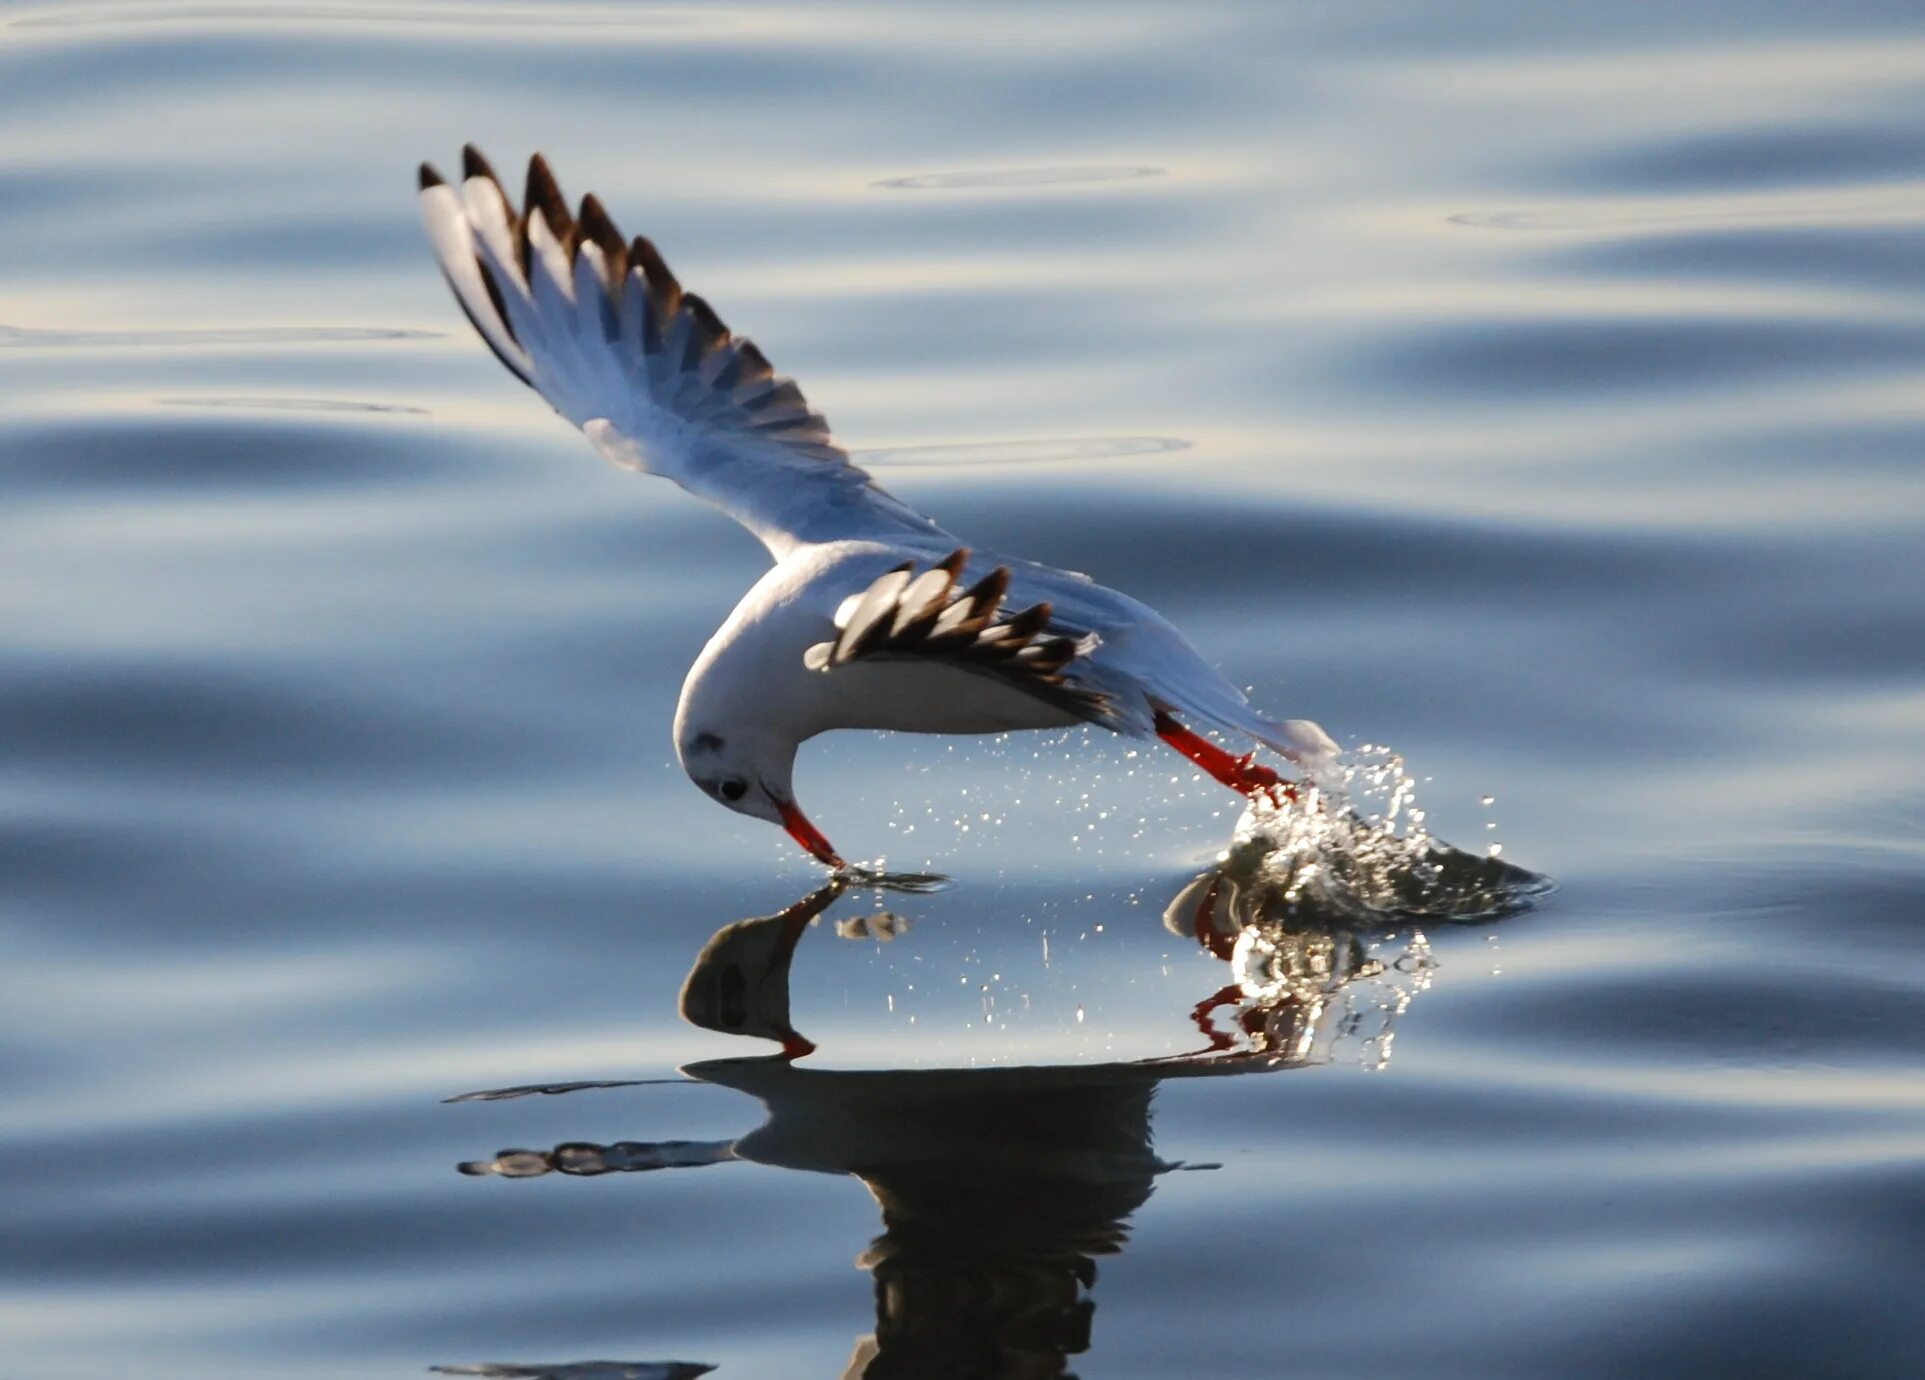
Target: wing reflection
1000,1187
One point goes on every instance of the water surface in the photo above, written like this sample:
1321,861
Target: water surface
1534,390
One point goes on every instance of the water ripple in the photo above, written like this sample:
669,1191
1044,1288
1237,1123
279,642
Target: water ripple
463,16
1012,178
295,405
1056,451
1885,204
32,337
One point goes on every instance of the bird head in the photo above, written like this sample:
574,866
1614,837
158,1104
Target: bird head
740,982
750,771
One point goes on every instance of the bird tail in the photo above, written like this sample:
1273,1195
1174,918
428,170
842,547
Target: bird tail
1220,707
1303,741
1173,678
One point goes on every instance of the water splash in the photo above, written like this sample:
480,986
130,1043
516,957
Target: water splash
1323,991
879,878
1356,849
1315,906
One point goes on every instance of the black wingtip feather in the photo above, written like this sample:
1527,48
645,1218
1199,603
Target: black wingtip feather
430,178
643,254
988,592
474,164
1030,621
755,364
544,194
598,228
709,334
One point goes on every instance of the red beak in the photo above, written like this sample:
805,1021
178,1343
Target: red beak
806,834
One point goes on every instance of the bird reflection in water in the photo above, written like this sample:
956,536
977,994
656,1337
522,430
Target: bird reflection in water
1317,913
1000,1187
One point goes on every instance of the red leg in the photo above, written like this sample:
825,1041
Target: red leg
1243,774
1208,1007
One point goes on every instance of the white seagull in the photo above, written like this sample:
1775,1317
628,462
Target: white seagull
872,616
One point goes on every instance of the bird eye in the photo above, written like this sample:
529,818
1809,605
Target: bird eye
734,788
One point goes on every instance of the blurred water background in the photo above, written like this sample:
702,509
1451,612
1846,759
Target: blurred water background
1537,390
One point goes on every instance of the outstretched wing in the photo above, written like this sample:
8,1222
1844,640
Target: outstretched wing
600,328
927,617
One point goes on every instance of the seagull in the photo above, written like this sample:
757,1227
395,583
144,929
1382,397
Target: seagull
872,616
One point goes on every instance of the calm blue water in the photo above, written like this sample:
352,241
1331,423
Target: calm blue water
1538,390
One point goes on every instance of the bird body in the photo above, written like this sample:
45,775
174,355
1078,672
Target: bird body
872,616
754,664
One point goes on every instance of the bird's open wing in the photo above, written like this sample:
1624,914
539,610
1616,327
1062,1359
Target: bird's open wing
927,616
600,328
